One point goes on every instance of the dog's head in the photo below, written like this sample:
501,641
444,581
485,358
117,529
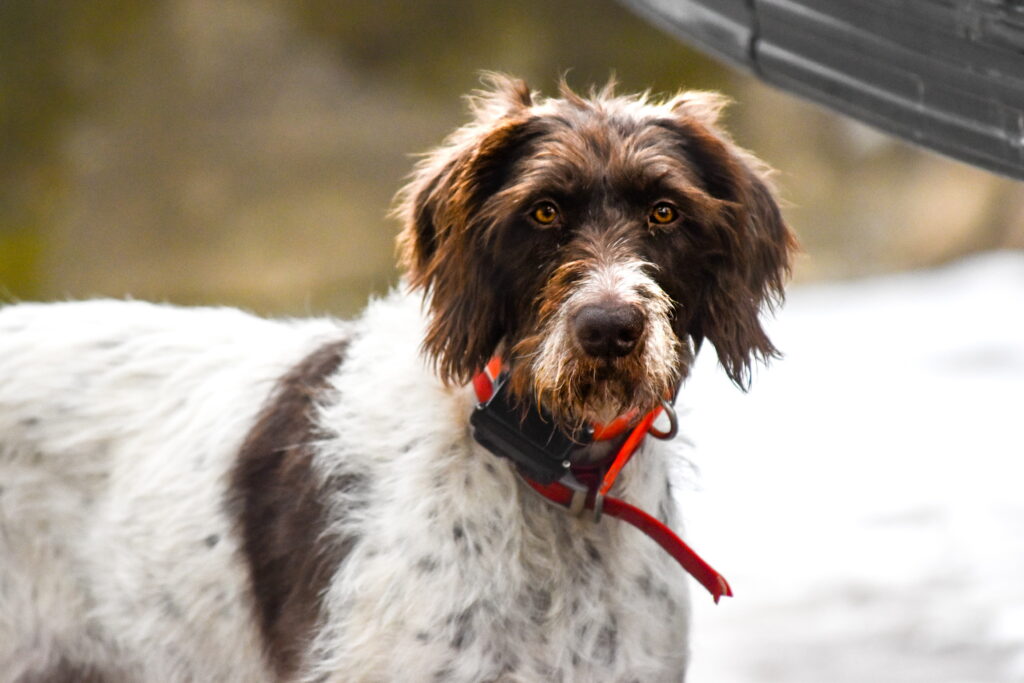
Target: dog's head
590,241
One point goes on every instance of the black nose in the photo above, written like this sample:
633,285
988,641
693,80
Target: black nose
608,330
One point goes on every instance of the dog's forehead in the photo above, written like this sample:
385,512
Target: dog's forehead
601,146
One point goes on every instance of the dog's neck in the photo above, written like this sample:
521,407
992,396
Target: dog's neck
544,450
551,462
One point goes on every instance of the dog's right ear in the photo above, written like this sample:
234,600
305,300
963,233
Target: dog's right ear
444,246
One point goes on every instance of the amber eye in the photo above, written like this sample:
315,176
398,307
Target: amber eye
545,213
663,214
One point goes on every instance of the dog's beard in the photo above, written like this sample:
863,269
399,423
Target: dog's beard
551,368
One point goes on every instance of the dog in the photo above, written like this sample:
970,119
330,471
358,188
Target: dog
202,495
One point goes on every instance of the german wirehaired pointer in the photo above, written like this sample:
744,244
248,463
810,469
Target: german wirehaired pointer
205,496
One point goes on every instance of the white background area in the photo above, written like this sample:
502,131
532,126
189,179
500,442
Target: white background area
866,498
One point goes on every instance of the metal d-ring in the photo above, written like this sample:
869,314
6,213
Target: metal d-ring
673,423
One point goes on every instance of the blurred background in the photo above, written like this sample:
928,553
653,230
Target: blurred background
245,151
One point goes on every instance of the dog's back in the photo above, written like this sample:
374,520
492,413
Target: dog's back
117,426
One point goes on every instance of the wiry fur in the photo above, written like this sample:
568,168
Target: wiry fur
573,384
200,495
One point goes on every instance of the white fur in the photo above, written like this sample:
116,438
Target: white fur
119,423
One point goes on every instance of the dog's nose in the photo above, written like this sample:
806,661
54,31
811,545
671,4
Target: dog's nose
608,330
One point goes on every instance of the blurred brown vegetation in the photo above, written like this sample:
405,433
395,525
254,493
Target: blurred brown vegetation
245,151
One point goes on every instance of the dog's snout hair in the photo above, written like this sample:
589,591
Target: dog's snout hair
576,383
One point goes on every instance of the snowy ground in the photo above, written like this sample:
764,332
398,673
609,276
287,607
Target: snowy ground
866,498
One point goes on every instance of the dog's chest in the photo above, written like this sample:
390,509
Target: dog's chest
461,574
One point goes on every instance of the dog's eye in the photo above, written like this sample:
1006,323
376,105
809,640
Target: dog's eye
663,213
545,213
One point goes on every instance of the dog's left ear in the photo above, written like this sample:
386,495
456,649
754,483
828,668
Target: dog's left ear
749,245
444,245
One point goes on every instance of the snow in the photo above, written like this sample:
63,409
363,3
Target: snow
866,498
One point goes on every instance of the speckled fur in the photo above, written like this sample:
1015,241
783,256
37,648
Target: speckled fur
119,423
462,573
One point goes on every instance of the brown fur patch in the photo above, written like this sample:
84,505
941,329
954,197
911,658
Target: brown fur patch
745,248
279,503
444,251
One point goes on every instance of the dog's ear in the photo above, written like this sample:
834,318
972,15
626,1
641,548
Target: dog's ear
444,246
747,246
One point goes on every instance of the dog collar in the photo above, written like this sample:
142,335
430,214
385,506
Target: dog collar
543,455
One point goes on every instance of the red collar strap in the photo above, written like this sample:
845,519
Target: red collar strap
586,488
